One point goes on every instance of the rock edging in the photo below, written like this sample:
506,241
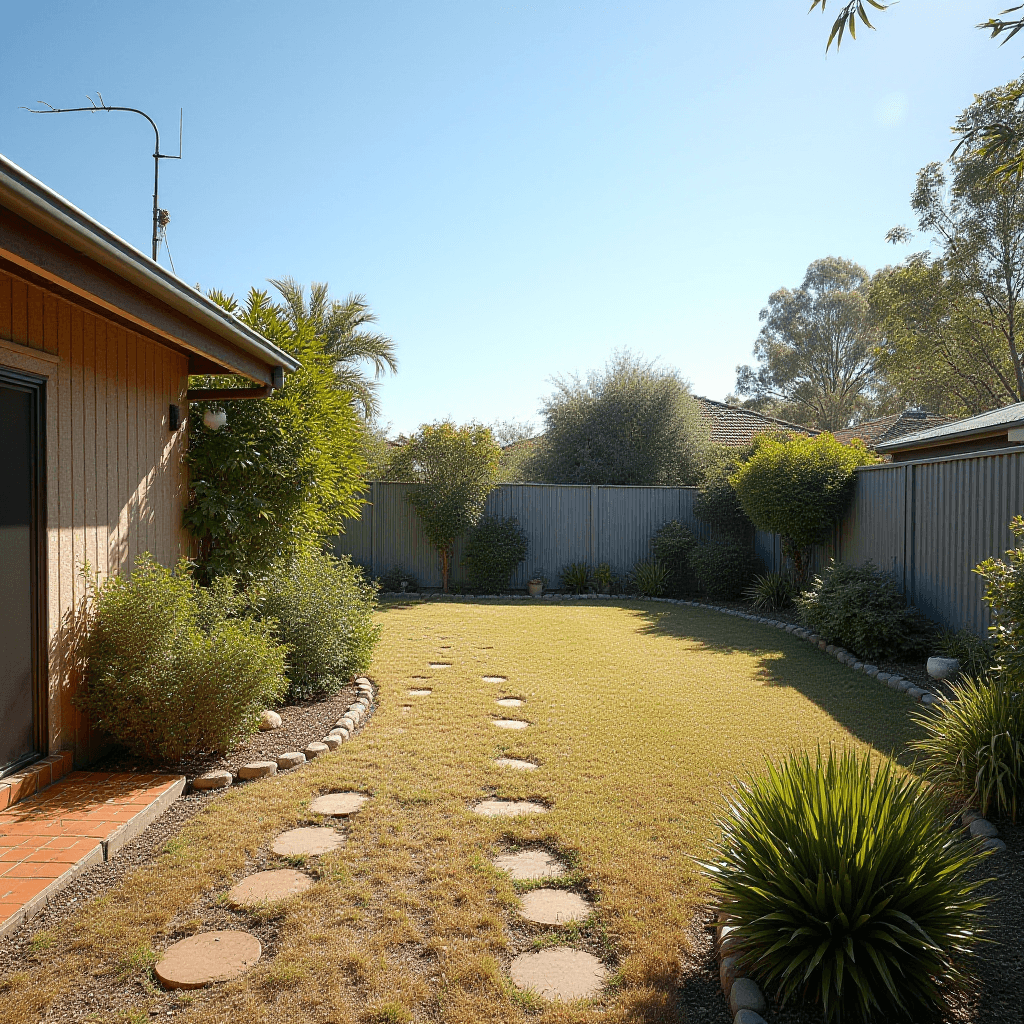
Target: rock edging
344,729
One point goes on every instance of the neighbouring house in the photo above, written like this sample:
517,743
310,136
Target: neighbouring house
872,433
988,431
736,427
97,342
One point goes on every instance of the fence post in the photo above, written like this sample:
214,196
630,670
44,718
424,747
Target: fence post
593,525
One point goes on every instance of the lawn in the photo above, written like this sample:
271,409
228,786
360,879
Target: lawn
641,716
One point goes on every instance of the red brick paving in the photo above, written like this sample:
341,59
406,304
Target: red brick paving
50,838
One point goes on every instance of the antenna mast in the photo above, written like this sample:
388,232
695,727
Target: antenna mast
160,217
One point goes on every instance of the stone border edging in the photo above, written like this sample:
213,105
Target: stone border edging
344,729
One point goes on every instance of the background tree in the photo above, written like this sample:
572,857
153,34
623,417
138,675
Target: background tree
455,468
951,326
284,472
815,350
634,423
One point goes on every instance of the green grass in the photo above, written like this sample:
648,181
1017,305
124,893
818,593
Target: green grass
642,715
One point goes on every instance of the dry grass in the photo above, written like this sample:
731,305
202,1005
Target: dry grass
641,717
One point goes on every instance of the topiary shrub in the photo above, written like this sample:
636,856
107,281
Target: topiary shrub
494,549
169,671
861,608
673,545
722,569
974,743
799,488
847,887
322,608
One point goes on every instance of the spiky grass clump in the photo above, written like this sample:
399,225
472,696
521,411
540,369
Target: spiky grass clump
848,887
974,743
770,592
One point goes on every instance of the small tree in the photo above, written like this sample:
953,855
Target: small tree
455,468
798,489
1004,594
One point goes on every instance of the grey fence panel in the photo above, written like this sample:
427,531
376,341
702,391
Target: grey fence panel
875,528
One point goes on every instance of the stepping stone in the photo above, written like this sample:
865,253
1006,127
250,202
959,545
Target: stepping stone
440,664
338,805
213,780
528,865
270,720
510,702
291,759
268,887
257,770
509,723
514,762
315,750
203,959
420,693
508,808
311,840
559,973
495,679
553,906
331,742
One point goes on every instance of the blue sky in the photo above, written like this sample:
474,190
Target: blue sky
518,189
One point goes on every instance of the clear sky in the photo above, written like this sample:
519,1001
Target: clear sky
518,189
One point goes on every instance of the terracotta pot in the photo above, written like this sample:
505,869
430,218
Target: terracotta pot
535,587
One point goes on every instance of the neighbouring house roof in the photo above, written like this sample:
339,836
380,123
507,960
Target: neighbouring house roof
891,428
78,235
997,427
735,427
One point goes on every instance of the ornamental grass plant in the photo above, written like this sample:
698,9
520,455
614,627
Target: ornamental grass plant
848,884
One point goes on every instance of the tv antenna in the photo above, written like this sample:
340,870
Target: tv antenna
161,218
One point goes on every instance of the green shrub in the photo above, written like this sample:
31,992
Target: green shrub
575,577
605,578
717,503
770,592
673,545
322,608
798,489
847,887
974,743
861,608
974,654
649,578
1004,594
169,671
722,569
391,582
494,550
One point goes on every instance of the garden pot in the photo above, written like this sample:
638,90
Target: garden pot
943,668
535,587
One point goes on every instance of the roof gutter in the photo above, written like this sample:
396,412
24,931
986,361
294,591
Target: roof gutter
31,200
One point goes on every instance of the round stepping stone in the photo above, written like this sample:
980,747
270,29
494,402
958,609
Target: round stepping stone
420,693
509,723
528,865
510,702
495,679
553,906
270,720
440,664
559,973
203,959
331,742
315,750
508,808
268,887
310,840
212,780
338,805
515,762
257,770
291,759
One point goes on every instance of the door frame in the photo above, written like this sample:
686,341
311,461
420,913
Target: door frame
36,387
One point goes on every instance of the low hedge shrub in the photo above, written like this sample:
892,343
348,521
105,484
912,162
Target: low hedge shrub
322,608
723,568
494,549
170,669
861,608
673,545
848,888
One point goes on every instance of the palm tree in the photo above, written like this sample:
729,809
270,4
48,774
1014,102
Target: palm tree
341,326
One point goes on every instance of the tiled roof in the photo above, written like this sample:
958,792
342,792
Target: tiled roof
734,427
890,428
983,424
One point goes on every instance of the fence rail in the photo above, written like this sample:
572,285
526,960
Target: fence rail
928,523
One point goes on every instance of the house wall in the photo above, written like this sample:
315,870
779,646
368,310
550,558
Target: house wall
115,480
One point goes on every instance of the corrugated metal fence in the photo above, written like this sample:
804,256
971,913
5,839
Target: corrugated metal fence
929,523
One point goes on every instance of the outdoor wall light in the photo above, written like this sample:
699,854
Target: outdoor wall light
214,419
